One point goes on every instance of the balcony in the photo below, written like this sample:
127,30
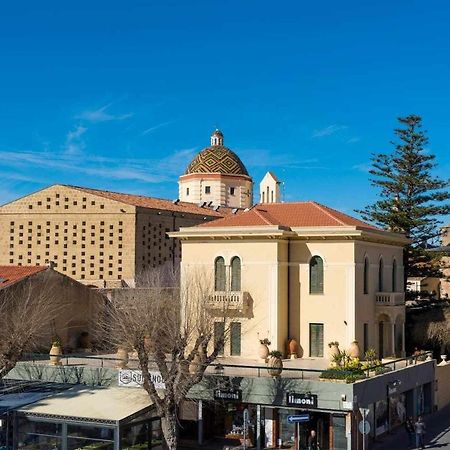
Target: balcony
236,301
390,298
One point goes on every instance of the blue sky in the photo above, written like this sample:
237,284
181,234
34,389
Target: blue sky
121,95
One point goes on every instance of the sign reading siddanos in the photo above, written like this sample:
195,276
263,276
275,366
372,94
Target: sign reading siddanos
134,378
305,400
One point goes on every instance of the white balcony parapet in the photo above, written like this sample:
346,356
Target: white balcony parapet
390,298
237,300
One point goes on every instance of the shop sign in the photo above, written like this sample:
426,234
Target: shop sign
301,400
231,395
134,378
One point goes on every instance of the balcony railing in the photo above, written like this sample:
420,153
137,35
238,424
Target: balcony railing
229,300
390,298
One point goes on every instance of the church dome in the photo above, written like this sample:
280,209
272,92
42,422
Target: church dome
217,159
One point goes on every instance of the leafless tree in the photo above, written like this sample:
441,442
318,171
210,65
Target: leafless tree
27,311
439,333
171,327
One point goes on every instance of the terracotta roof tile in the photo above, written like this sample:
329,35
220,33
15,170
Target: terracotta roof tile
12,274
157,203
298,214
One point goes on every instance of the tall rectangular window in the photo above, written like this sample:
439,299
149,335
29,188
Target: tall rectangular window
316,339
366,338
219,333
235,335
207,189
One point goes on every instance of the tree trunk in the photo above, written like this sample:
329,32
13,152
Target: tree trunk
169,429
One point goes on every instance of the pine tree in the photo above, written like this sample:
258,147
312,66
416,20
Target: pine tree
411,198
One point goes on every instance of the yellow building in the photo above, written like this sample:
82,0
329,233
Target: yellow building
302,271
97,237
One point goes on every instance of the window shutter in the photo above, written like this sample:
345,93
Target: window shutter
219,269
316,339
235,332
235,274
219,333
316,275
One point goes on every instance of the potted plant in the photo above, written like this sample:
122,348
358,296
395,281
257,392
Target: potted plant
334,350
55,351
275,363
263,351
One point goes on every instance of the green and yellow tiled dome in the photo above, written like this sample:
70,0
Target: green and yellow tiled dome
217,159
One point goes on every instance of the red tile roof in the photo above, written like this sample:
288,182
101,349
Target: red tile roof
12,274
291,215
157,203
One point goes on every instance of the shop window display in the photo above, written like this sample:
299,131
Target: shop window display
84,438
142,436
39,435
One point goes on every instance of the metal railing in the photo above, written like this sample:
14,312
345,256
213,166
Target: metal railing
226,369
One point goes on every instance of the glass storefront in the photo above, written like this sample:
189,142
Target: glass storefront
142,436
38,434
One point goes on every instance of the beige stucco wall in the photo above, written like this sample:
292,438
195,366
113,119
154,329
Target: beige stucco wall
276,274
366,310
335,305
260,277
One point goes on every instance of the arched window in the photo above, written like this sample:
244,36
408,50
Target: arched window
366,275
316,275
381,276
219,274
394,276
236,274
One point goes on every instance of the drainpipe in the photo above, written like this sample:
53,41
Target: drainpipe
288,288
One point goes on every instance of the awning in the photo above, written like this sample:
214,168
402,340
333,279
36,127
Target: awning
111,404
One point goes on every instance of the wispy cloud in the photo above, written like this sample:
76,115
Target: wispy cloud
363,167
68,161
74,143
102,115
328,131
353,140
156,127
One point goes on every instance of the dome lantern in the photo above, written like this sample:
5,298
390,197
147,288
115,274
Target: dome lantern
216,138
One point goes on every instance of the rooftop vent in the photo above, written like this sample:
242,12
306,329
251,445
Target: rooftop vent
216,208
234,210
210,204
176,201
3,280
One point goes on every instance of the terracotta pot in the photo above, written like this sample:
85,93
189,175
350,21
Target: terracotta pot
333,352
292,348
195,364
122,356
55,355
147,343
354,350
275,366
263,351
